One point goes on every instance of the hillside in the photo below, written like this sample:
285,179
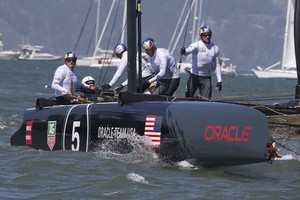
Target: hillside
248,32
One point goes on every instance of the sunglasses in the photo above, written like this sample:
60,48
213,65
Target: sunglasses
71,60
206,35
90,82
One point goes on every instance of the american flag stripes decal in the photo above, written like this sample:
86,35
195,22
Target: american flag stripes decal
153,129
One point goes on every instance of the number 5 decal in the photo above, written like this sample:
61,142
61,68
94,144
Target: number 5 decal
75,137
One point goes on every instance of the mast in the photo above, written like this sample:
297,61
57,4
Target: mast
139,15
131,39
124,22
297,44
97,23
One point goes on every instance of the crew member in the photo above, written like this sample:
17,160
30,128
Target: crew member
205,59
121,52
164,66
88,82
65,79
272,152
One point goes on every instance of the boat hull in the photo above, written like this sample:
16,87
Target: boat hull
99,62
276,73
213,134
8,55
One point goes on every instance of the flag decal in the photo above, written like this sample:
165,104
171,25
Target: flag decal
153,129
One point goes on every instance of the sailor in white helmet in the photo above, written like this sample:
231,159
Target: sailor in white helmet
88,81
121,52
205,59
65,79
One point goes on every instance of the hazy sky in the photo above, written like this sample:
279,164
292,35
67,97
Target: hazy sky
249,32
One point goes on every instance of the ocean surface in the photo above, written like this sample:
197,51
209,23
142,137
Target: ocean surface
32,174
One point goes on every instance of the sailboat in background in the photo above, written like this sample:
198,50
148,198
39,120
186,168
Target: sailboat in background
7,55
288,67
196,10
101,57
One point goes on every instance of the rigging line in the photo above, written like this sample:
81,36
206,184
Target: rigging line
121,36
186,28
277,112
91,39
181,30
266,96
113,25
97,47
111,57
283,146
254,99
82,28
177,26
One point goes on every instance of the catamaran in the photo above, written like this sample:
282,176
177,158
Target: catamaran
209,133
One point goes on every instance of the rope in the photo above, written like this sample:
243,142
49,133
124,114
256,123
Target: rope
185,33
283,146
118,41
258,97
114,22
82,28
91,39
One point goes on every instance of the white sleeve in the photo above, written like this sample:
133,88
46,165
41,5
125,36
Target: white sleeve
58,79
218,66
190,48
120,70
163,60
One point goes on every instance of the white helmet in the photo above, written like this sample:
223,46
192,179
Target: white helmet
87,81
120,48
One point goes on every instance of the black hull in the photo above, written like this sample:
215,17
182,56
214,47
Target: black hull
210,133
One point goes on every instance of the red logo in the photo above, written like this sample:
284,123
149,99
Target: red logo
227,133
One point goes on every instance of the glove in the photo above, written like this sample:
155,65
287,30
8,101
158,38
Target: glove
105,86
219,86
118,89
145,83
182,50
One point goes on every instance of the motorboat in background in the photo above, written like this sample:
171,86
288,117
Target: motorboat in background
34,53
288,63
227,70
7,55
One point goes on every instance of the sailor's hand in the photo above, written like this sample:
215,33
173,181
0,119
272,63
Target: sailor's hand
219,86
105,86
118,89
152,87
69,92
182,50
